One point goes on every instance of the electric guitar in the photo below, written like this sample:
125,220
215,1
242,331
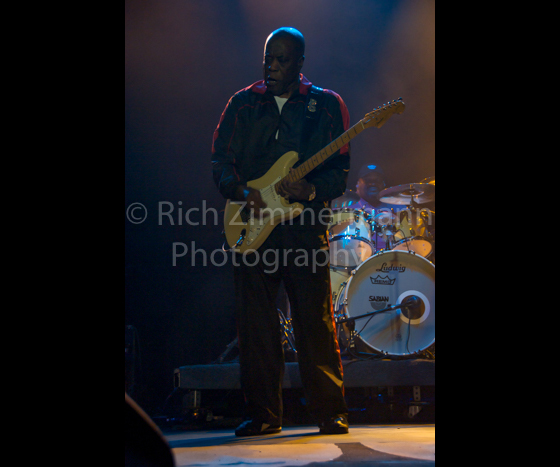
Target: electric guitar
244,232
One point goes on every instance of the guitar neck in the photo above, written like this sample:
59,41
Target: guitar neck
309,165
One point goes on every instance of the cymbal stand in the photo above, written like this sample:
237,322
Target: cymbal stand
287,338
287,331
229,348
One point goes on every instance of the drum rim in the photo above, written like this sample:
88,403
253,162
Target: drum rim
384,252
418,237
392,354
380,253
353,237
368,217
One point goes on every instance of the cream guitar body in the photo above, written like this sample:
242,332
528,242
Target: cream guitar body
246,233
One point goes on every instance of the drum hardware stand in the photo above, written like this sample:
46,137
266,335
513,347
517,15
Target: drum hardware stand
389,233
346,269
353,350
353,335
287,332
287,339
230,347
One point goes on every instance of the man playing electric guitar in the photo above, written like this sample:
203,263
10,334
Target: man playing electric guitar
260,124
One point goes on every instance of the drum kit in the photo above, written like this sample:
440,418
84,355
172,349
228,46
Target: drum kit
383,273
382,276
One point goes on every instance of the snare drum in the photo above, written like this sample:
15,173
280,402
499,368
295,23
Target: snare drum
388,279
351,238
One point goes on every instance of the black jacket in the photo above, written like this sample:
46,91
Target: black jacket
245,145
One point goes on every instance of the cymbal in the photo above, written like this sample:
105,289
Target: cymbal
405,195
429,181
346,200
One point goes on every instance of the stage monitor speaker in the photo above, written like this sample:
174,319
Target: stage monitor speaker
144,444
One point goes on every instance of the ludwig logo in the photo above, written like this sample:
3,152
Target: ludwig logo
387,268
383,280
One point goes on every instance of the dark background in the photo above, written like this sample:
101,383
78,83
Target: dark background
184,59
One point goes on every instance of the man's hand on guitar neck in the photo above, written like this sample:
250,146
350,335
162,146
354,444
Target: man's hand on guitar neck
253,199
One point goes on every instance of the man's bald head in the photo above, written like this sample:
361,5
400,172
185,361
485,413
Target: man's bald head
293,35
283,61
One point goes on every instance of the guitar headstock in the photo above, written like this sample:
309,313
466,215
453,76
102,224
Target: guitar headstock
382,114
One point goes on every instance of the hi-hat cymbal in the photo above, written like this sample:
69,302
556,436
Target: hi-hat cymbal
405,195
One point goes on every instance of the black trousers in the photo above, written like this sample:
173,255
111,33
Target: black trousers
299,258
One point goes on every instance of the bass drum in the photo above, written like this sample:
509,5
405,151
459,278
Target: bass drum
388,279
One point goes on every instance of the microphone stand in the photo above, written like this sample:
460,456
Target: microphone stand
412,302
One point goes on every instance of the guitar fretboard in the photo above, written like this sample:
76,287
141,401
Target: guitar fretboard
376,118
309,165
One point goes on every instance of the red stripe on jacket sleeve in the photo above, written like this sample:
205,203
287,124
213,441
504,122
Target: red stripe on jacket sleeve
345,116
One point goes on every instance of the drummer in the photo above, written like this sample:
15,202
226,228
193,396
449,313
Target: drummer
372,180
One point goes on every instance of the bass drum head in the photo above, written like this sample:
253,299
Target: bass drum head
388,279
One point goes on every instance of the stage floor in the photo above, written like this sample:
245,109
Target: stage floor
392,405
371,445
377,392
